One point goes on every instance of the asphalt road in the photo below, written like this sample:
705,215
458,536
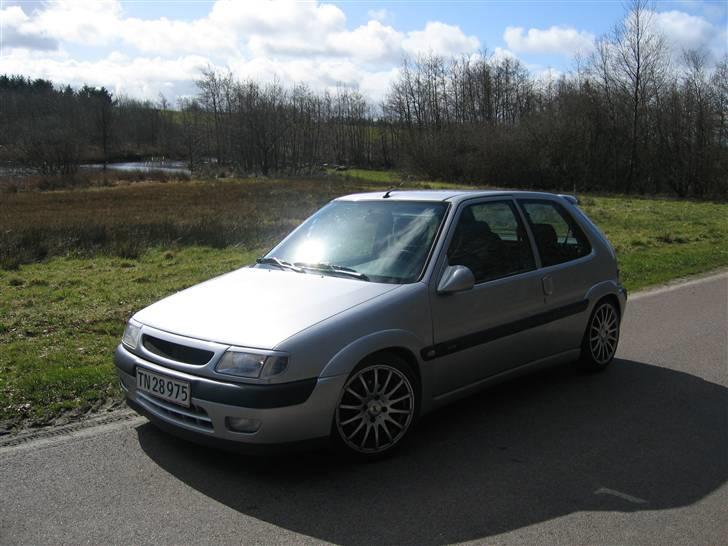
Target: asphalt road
635,455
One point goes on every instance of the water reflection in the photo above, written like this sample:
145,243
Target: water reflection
143,166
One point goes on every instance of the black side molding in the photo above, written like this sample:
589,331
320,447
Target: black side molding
497,332
245,396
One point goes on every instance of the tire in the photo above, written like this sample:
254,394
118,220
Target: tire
601,337
377,407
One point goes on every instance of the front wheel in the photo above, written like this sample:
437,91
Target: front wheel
377,406
601,337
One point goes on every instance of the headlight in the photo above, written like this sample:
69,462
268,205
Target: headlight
131,334
243,364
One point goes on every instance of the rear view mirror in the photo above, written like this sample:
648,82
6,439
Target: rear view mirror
457,278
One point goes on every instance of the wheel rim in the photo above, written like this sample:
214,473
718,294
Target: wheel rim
604,334
375,409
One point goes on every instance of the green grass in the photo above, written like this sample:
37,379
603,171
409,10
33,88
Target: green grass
390,179
112,251
658,240
60,321
366,175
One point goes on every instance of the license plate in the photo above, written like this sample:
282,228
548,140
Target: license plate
164,387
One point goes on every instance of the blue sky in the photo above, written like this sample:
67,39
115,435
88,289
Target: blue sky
144,48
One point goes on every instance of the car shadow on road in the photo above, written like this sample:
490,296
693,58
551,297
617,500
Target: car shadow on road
635,437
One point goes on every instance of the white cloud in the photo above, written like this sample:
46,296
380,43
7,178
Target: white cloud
440,39
710,9
12,16
500,53
328,74
229,23
382,15
15,34
371,42
556,39
683,31
545,76
278,18
169,37
318,73
142,77
374,85
90,22
306,42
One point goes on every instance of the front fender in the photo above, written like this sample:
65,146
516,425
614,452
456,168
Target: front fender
348,357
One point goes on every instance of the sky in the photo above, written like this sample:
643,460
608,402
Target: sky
149,48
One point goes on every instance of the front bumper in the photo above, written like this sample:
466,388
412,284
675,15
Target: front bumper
288,412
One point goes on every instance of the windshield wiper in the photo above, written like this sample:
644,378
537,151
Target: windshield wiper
272,260
329,268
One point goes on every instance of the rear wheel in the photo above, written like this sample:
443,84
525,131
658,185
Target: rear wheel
601,337
377,406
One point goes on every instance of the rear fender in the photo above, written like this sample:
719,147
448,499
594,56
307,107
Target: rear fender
607,288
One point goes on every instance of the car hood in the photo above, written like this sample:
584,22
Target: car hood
255,307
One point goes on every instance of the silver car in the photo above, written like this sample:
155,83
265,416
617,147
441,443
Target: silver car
376,310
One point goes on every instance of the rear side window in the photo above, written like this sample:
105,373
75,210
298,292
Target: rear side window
491,241
558,237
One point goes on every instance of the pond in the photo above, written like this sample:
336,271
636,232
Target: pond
143,166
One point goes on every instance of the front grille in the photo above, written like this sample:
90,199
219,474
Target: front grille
176,352
194,415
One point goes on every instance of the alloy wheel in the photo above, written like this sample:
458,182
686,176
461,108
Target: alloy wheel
604,334
376,409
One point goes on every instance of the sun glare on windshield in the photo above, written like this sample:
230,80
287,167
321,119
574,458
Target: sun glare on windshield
310,251
385,241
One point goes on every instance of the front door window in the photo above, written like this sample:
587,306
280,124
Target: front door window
490,240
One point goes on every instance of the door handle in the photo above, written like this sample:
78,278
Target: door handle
548,285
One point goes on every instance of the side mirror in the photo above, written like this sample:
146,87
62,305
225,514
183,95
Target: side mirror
457,278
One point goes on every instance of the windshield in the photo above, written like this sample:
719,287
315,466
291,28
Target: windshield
381,241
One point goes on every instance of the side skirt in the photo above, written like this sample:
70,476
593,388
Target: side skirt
461,392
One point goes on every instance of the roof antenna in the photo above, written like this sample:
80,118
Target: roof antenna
390,190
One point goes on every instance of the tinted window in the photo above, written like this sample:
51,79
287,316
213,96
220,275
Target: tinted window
491,241
558,237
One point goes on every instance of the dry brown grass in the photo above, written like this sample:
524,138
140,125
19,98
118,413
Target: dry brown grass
125,220
84,178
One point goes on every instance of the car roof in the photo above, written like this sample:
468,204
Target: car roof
450,196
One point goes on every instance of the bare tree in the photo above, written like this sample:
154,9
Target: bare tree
639,61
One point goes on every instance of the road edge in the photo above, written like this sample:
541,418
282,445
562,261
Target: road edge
54,434
680,282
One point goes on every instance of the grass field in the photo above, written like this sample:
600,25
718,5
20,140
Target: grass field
60,320
129,218
77,264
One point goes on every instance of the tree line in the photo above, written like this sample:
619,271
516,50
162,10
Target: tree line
268,128
625,120
54,129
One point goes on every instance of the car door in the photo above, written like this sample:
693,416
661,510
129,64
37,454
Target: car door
567,271
485,330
